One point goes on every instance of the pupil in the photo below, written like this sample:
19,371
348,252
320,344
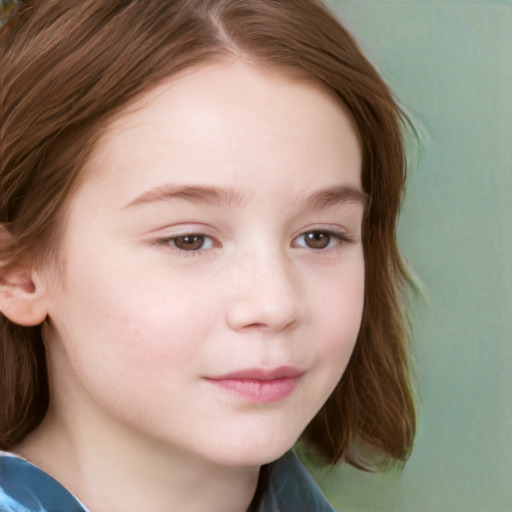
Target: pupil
317,240
189,242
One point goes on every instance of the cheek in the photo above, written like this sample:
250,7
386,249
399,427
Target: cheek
338,310
127,327
119,345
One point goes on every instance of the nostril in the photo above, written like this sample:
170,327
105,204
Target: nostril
253,313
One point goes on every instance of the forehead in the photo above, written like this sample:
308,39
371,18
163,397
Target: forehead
228,114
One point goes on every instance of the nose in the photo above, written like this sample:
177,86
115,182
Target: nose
265,293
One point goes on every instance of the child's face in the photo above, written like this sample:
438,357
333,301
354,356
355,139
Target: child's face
216,238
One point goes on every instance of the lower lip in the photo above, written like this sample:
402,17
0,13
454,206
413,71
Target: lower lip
262,391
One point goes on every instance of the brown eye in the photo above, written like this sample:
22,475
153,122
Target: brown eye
317,239
189,242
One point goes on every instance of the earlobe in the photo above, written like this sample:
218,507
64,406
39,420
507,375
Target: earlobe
22,297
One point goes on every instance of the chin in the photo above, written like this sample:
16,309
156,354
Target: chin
253,453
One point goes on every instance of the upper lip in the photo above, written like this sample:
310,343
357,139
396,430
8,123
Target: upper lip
282,372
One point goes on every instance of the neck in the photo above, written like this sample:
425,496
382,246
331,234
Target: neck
121,471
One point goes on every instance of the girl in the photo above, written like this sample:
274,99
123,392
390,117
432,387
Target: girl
198,257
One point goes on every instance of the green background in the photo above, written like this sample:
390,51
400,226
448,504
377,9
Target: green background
450,64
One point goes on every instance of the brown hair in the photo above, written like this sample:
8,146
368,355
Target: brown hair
68,66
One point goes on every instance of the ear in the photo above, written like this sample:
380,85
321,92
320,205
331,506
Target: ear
22,296
22,292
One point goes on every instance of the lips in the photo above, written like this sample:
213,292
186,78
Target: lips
258,384
283,372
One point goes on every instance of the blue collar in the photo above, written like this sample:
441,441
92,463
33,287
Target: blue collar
286,487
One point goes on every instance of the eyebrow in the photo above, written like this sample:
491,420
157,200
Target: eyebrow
227,198
335,196
216,196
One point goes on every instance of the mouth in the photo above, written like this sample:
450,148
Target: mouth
260,385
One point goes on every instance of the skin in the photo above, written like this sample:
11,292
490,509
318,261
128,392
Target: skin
141,321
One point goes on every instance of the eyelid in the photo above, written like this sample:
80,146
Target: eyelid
341,235
164,237
204,239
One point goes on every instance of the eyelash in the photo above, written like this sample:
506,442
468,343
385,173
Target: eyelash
339,238
168,241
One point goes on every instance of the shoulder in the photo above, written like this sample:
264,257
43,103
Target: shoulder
26,488
290,488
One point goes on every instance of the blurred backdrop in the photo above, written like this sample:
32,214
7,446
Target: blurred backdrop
450,64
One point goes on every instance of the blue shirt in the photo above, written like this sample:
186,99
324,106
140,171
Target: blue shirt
287,487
